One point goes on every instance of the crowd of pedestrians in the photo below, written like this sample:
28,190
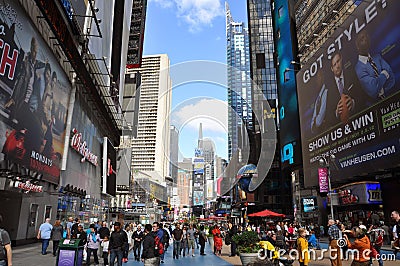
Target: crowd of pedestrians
149,243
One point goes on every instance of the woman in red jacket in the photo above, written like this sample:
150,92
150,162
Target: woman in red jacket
215,232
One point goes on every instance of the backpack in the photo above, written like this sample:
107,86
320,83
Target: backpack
158,246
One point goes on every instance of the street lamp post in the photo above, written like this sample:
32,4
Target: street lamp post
324,162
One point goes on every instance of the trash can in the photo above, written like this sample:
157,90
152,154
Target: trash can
70,253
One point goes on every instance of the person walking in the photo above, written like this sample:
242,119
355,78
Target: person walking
177,235
158,232
361,244
202,240
93,244
184,242
104,245
215,232
191,238
56,235
44,235
70,223
137,241
5,248
118,242
148,254
232,231
334,234
302,247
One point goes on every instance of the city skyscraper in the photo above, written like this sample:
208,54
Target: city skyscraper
262,66
173,155
150,150
239,83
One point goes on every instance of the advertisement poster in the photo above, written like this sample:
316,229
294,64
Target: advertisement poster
310,204
349,96
34,93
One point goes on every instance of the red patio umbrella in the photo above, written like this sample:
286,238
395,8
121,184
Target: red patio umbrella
266,213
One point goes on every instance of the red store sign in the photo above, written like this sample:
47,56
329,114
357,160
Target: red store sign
80,146
28,186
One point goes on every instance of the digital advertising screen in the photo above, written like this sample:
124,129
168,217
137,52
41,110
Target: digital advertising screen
349,99
289,133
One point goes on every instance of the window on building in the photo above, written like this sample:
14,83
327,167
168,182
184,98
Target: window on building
260,60
280,11
286,74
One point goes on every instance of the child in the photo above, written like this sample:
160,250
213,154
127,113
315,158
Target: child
302,247
104,245
218,244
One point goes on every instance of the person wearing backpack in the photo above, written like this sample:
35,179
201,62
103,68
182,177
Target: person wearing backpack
5,246
149,247
158,235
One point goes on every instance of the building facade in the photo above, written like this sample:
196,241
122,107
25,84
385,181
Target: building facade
335,61
150,150
62,117
239,83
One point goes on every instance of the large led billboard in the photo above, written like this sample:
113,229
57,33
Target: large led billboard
349,98
289,134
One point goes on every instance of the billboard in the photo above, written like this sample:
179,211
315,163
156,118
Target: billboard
349,98
289,135
309,204
198,165
34,94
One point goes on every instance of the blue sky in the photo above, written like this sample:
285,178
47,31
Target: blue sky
190,30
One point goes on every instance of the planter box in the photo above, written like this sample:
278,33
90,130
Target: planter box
247,258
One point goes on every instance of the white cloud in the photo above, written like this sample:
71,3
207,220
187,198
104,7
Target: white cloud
196,13
212,113
164,3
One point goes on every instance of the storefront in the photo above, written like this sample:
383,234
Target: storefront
81,195
358,201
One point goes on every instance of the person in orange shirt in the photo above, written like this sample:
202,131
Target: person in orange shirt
361,244
302,248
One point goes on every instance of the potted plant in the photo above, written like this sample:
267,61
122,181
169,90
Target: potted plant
247,246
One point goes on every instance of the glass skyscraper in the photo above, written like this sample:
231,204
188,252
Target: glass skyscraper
239,83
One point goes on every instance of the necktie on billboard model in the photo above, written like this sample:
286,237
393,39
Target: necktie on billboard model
341,86
373,65
344,115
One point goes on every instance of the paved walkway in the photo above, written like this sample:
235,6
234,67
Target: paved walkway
30,255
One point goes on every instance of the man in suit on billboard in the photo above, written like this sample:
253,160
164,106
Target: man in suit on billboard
375,74
345,96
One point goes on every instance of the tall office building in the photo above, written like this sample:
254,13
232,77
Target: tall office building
274,193
262,50
150,150
239,83
316,21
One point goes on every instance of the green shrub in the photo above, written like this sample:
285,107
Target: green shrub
247,242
